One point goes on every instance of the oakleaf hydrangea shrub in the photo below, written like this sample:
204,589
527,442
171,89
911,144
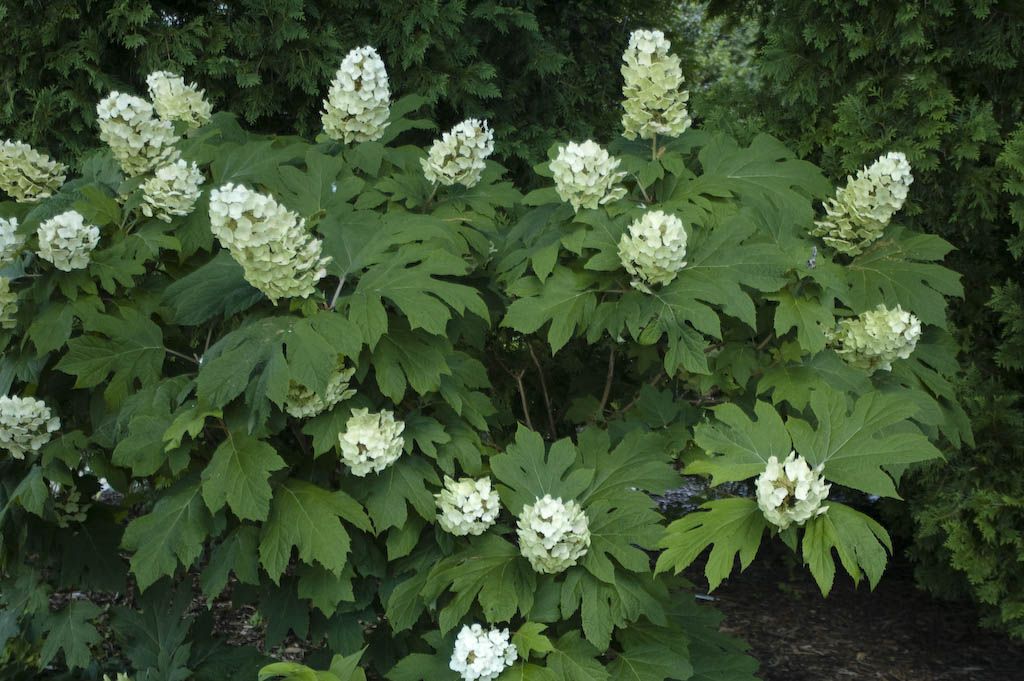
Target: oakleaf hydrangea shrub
415,420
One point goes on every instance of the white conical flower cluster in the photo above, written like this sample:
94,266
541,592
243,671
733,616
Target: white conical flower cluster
467,506
359,102
654,103
173,100
10,241
277,253
791,491
26,175
371,442
303,403
876,338
173,190
653,249
139,140
460,155
553,535
585,175
66,241
8,304
860,211
482,654
25,425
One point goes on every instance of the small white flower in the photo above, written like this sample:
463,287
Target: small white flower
278,255
481,655
173,190
876,338
460,155
26,175
791,492
653,249
8,304
26,425
10,241
371,442
860,211
585,175
66,241
553,535
173,100
139,141
467,506
654,104
358,104
303,403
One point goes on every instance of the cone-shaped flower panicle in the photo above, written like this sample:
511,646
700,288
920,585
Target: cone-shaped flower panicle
654,102
860,211
139,140
585,175
553,535
359,102
173,190
653,249
277,253
371,442
467,506
174,101
460,155
26,175
26,424
876,338
66,241
791,492
482,654
303,403
11,242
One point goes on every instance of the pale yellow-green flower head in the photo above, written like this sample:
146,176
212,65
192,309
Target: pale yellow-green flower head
460,156
11,242
26,424
174,101
358,104
172,191
138,140
467,506
553,535
26,175
585,175
66,241
653,249
482,654
876,338
654,101
791,492
371,442
303,403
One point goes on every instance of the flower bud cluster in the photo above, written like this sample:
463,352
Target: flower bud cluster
25,425
173,190
66,241
654,104
467,506
860,211
553,535
358,104
139,140
791,492
371,442
173,100
876,338
460,155
481,655
585,175
10,241
653,249
303,403
277,253
26,175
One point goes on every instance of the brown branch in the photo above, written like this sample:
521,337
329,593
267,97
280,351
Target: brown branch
760,346
544,391
607,383
522,397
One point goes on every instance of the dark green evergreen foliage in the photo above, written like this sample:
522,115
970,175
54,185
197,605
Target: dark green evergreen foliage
942,81
541,70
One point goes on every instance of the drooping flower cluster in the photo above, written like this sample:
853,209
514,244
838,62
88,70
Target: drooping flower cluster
359,102
66,241
481,655
25,425
10,241
460,155
371,442
467,506
173,100
302,403
8,304
173,190
653,249
876,338
585,175
791,492
654,102
26,175
139,140
277,253
553,535
860,211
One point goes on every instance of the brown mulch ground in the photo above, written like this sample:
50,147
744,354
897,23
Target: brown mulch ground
896,633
